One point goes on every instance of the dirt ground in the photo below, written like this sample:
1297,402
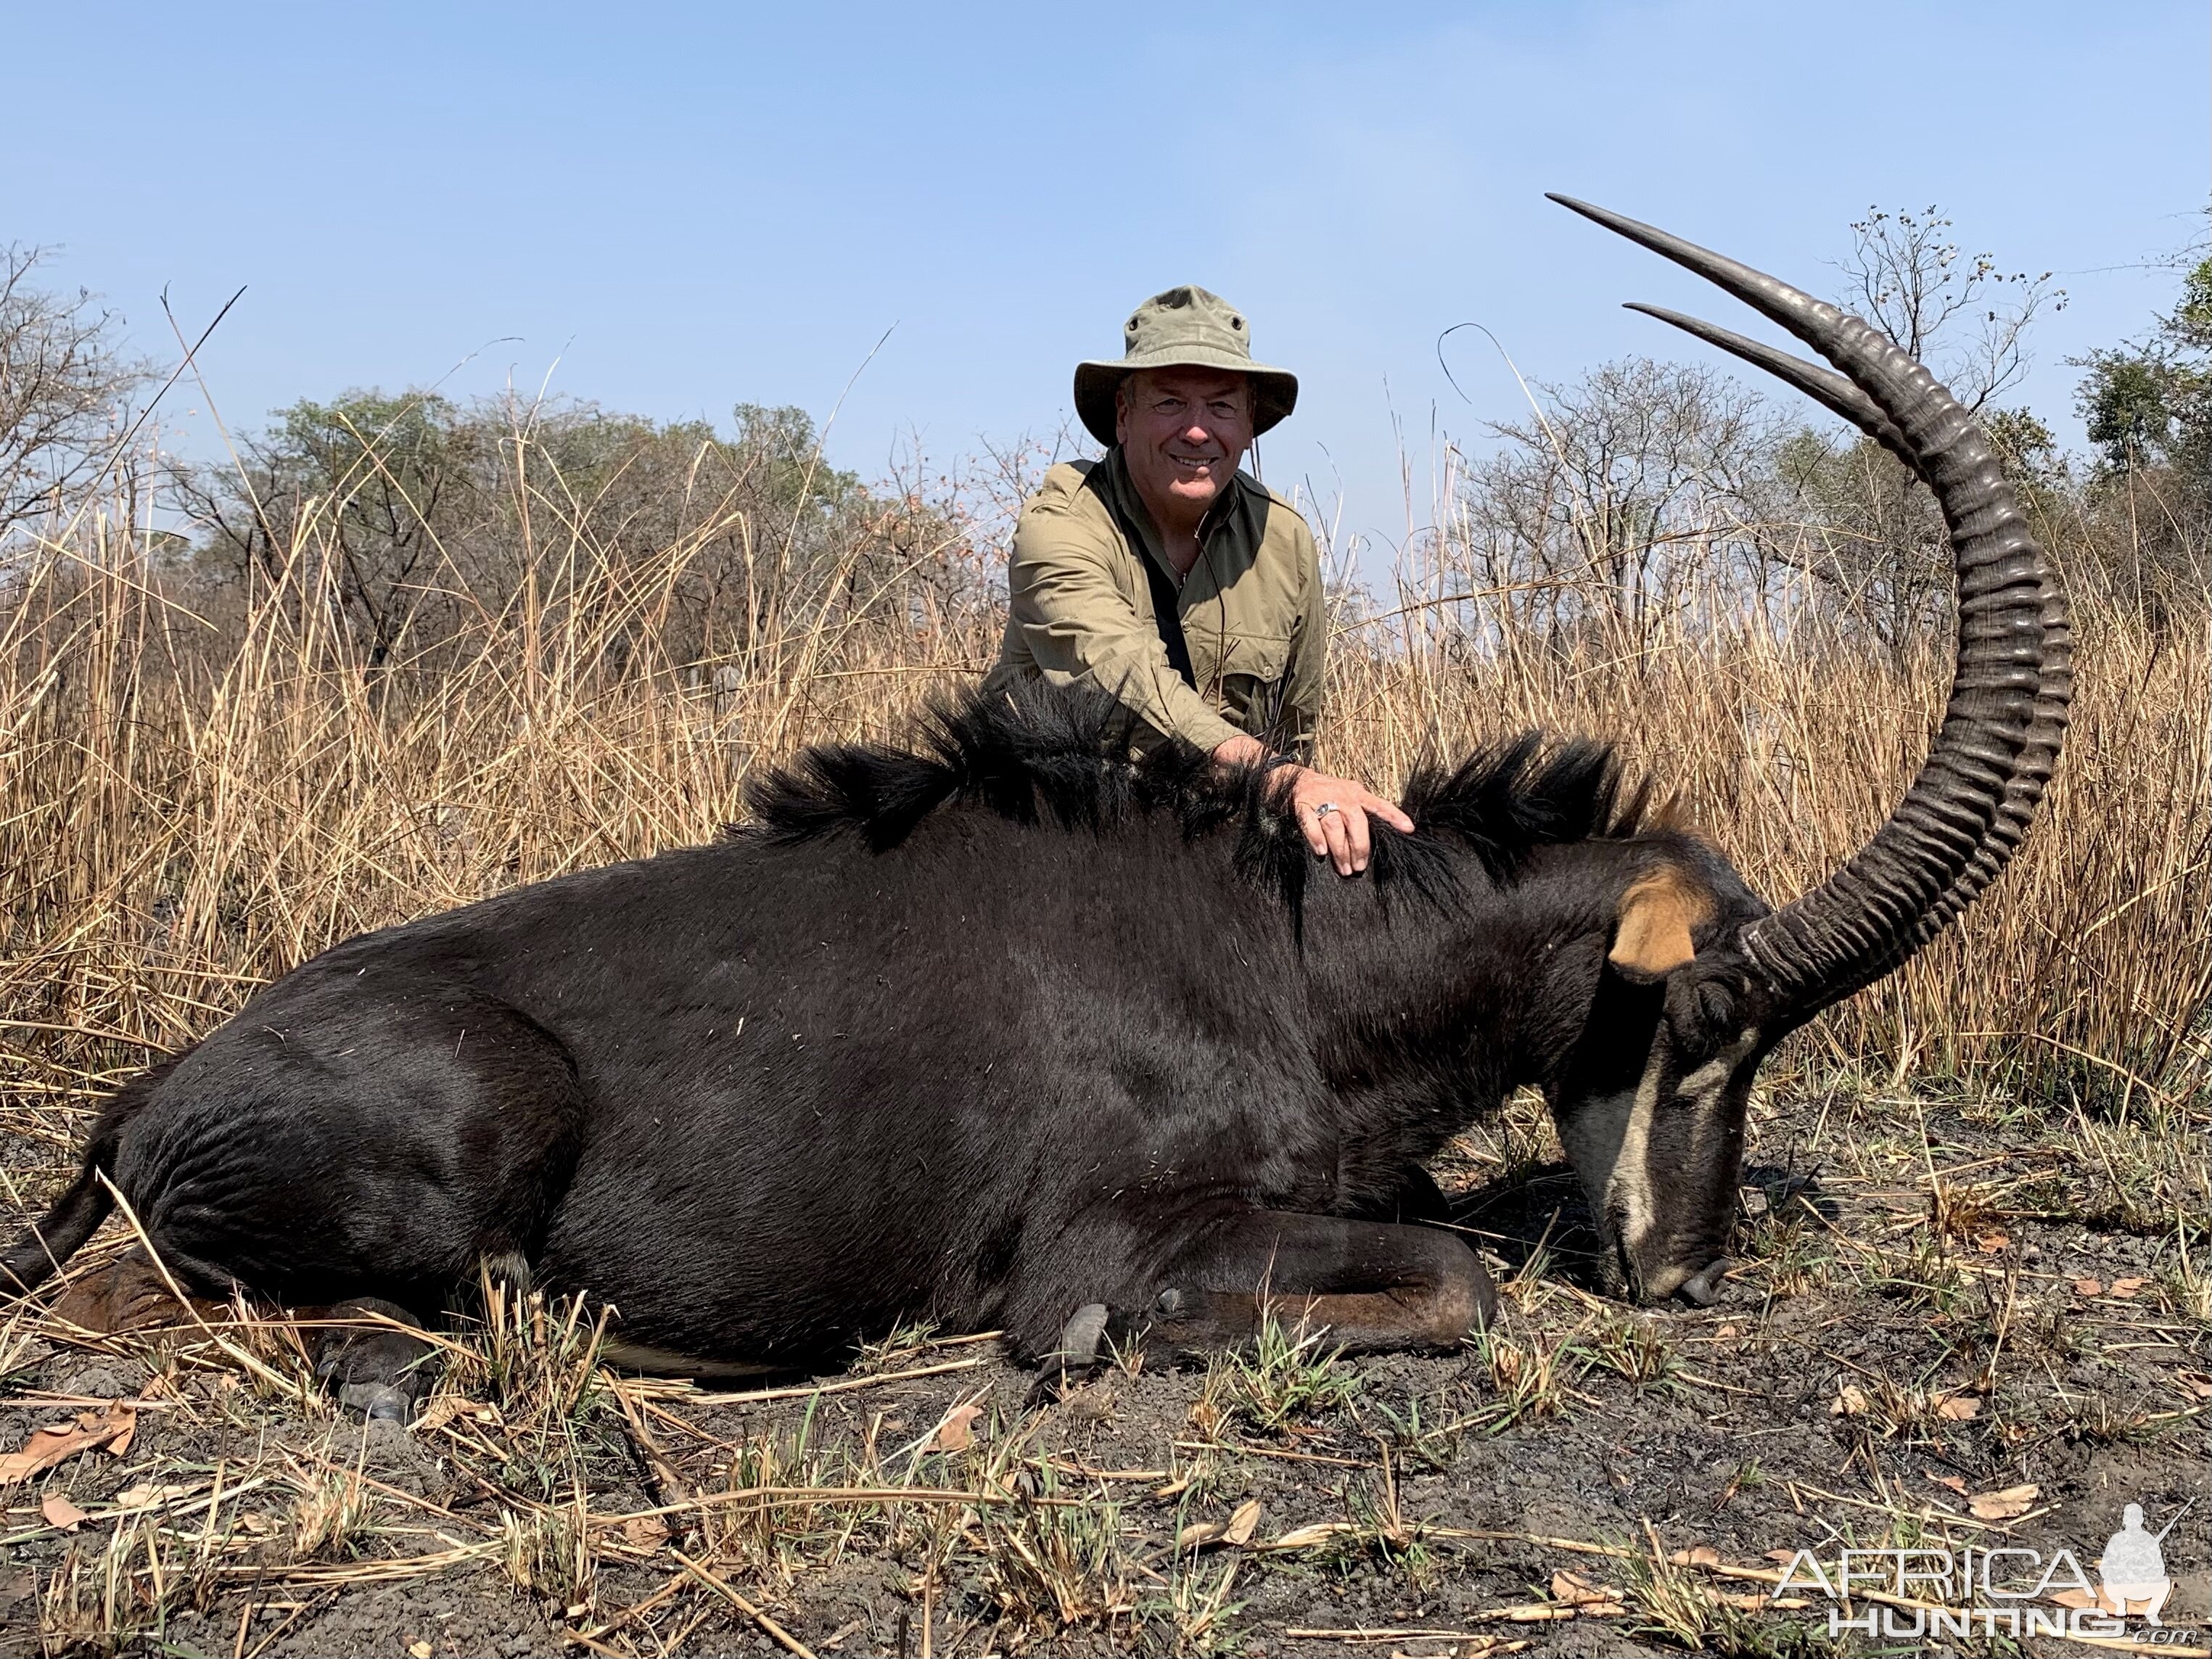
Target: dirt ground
1952,1325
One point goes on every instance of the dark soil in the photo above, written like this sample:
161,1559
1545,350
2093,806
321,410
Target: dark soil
1934,1303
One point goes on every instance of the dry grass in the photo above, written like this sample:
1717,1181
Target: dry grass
2086,973
186,811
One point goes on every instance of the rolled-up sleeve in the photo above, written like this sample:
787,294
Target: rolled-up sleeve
1081,628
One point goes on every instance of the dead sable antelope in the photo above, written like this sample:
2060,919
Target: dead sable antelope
950,1033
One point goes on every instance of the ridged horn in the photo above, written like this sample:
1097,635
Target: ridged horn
1978,788
1823,386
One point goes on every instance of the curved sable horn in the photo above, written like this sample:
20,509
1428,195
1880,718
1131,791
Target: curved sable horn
1822,386
1979,788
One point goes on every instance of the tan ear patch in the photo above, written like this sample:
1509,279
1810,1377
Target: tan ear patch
1657,914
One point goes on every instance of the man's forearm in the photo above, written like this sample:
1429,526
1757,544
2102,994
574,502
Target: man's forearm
1242,750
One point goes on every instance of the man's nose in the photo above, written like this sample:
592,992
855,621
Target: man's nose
1198,434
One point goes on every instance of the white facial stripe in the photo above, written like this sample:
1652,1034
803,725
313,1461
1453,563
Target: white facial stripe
1628,1193
1629,1190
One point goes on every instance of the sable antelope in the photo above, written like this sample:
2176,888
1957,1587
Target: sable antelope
1013,1032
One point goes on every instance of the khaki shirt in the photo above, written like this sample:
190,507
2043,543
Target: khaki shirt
1079,608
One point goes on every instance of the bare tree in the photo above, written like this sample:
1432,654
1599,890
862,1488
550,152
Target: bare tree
65,390
1625,487
1881,547
1963,316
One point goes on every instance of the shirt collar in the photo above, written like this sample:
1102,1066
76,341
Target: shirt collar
1131,506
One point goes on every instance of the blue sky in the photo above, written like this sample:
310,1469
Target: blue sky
674,208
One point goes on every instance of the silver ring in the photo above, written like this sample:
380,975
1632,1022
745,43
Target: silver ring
1322,809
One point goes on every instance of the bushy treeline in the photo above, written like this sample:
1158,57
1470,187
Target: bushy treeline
1645,490
426,528
429,518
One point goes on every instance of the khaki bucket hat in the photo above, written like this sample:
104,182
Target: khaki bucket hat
1183,328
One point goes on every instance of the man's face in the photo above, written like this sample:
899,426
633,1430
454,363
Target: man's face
1182,432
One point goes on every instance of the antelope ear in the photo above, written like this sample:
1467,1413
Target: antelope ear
1657,914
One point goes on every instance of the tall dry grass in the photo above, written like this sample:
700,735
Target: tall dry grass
2088,969
187,810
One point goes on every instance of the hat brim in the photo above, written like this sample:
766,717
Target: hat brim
1274,390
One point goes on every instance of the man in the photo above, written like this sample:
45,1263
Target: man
2133,1567
1164,575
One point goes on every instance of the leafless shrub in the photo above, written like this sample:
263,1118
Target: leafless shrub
66,388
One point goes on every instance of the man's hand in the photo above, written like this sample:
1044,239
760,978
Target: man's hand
1333,812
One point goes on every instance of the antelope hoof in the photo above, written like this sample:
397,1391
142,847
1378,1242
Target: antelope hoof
1080,1337
1704,1289
1076,1355
378,1371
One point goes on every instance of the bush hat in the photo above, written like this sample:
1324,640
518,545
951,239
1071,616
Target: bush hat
1183,328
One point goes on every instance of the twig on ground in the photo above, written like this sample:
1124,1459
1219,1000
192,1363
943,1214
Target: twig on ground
846,1385
713,1580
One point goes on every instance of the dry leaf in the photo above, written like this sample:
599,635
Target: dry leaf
60,1512
257,1523
1242,1522
2089,1287
2194,1385
419,1649
1306,1538
1957,1407
2072,1598
645,1532
1725,1331
1785,1557
2003,1505
1990,1244
111,1426
2125,1289
1199,1533
956,1432
1950,1481
1701,1555
1851,1401
1237,1529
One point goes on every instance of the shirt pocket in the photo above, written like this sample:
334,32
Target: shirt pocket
1263,658
1247,686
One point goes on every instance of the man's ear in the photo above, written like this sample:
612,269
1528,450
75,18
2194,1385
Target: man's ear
1657,914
